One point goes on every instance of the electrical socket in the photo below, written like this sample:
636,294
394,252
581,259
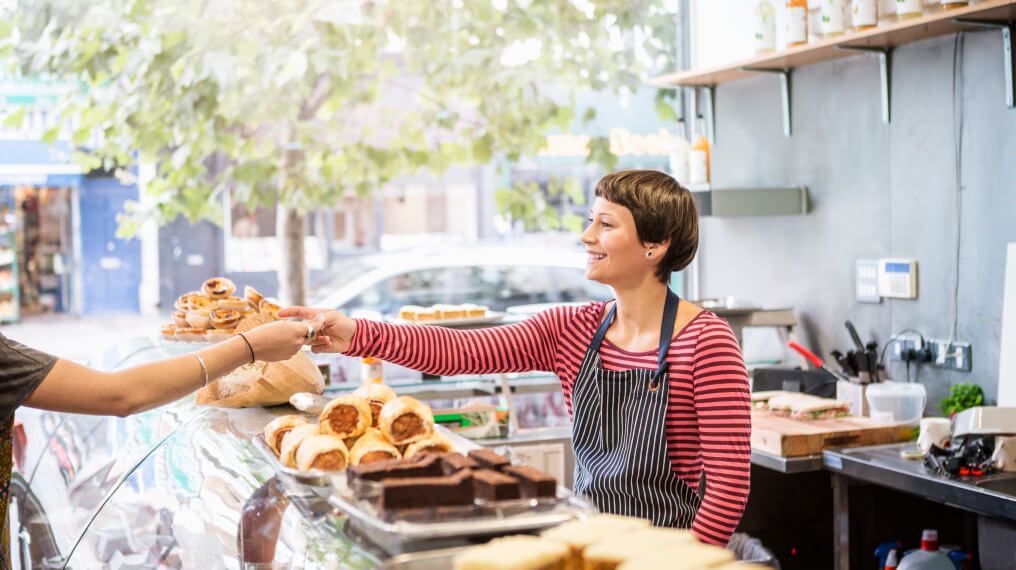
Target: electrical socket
956,356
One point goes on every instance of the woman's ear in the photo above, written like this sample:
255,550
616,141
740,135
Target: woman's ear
656,250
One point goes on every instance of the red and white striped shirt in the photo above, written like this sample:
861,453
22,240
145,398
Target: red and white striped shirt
708,417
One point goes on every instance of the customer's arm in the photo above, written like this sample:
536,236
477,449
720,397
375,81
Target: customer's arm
70,387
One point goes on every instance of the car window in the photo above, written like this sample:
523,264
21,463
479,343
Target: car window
503,286
420,287
573,286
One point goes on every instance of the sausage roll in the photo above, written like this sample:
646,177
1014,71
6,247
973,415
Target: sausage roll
323,451
345,416
278,428
377,395
291,443
436,443
405,420
372,447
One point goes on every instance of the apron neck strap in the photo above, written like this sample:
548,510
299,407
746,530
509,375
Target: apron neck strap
666,332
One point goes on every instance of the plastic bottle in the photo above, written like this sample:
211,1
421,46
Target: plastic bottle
372,370
909,9
765,27
795,28
929,557
833,24
679,156
891,561
864,14
698,158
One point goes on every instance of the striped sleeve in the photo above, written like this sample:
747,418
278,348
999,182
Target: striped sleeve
521,347
723,407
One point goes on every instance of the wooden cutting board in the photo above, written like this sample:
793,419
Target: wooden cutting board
792,438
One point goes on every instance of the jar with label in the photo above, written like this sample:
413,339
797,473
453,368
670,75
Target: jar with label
698,158
864,14
372,370
832,18
765,27
909,9
795,27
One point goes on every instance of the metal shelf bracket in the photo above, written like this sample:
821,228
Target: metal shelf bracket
1008,56
885,64
709,113
784,74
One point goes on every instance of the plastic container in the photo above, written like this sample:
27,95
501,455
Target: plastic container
929,557
897,402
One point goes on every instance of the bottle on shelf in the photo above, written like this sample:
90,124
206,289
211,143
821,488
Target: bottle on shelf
863,14
765,27
795,27
698,158
832,22
932,6
679,156
909,9
951,4
372,370
887,12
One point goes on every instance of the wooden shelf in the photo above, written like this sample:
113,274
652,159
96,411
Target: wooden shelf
928,26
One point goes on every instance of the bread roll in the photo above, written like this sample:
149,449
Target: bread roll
405,420
579,535
610,553
514,553
345,416
263,383
436,443
323,451
377,395
372,447
291,443
278,428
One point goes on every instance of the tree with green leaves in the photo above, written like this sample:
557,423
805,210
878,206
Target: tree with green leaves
297,103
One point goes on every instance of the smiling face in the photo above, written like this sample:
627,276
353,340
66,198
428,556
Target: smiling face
615,254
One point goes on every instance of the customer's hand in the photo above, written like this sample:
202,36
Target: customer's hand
335,330
277,341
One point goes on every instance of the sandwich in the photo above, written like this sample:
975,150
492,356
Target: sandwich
819,409
760,400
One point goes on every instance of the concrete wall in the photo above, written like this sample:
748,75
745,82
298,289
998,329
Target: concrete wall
877,190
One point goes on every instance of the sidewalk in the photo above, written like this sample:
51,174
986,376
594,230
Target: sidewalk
81,339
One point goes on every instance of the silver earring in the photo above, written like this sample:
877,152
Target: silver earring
649,254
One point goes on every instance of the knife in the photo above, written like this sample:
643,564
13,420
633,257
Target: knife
855,337
815,360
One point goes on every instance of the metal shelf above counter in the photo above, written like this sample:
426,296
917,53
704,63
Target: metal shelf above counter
752,202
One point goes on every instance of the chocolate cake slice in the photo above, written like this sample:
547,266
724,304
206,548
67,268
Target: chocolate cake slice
422,466
422,492
455,462
533,483
489,460
493,486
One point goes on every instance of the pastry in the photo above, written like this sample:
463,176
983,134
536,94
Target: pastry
223,319
406,420
192,300
278,428
687,556
168,332
493,486
372,447
579,535
424,466
377,395
218,288
252,296
266,307
453,462
422,492
449,311
436,443
199,318
180,320
233,303
345,417
323,451
513,553
475,311
488,459
292,441
428,314
219,335
533,483
409,312
189,334
609,554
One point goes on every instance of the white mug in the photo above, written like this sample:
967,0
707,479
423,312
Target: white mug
934,431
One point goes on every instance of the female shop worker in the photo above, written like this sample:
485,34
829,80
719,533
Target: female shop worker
657,388
38,380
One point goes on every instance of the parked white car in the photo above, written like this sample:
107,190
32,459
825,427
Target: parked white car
496,276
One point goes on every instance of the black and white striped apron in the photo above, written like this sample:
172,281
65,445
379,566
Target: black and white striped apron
621,460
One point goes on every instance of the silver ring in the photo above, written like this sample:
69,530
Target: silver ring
310,332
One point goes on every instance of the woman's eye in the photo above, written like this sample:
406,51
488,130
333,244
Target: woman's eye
605,224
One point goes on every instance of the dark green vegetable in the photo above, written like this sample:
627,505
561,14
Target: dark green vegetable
962,397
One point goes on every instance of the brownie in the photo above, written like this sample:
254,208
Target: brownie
489,460
455,462
422,492
423,466
493,486
533,483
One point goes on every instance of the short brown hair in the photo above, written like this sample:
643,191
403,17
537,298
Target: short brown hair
663,210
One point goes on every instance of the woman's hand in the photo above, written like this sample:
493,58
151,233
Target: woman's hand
277,341
334,329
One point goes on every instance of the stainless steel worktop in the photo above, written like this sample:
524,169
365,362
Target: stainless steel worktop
993,495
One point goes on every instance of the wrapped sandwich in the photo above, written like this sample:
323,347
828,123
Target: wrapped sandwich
819,409
760,400
406,420
781,405
345,417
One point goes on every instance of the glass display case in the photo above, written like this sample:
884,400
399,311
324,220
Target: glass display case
181,486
